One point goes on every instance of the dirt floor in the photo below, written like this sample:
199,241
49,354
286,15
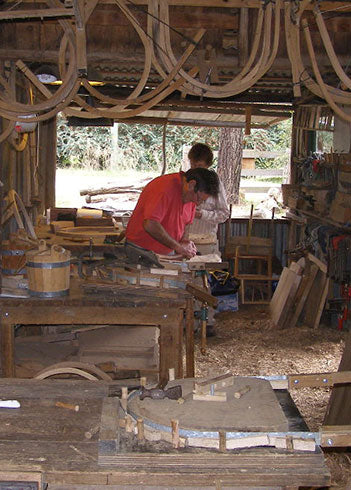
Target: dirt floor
246,343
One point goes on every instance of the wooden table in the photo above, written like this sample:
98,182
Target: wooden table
166,313
46,444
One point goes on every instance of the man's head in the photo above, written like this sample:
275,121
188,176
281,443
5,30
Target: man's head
200,156
199,184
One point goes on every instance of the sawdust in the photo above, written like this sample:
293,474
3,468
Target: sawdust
247,344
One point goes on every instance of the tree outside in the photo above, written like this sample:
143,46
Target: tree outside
229,161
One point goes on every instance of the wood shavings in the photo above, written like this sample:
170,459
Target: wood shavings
248,344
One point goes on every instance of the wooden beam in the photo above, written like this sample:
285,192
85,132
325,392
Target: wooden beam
248,114
324,5
243,36
36,13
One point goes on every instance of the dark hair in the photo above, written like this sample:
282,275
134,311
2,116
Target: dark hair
206,180
201,152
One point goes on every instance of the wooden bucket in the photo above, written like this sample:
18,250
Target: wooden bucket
13,255
48,271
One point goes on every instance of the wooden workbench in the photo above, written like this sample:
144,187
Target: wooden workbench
166,313
44,443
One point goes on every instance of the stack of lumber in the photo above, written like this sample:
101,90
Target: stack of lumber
301,293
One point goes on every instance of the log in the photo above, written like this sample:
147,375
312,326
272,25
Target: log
133,195
112,190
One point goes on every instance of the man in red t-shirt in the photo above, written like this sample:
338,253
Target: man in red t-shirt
165,208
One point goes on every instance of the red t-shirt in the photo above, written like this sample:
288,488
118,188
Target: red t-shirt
161,200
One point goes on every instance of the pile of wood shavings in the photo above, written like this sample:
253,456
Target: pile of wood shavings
246,343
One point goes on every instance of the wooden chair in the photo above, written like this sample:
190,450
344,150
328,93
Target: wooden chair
252,262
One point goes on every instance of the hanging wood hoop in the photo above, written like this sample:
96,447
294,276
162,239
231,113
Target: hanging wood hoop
330,50
317,73
302,76
164,84
6,133
234,87
152,30
128,113
147,48
15,110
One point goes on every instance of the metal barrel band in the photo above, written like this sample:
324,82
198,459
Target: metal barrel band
12,252
48,265
13,272
51,294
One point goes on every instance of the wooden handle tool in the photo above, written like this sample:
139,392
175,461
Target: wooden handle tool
69,406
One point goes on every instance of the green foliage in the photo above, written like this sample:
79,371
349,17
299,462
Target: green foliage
82,147
139,147
276,138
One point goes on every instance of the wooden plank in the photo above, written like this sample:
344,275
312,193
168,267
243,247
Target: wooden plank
54,388
317,380
22,476
288,310
302,293
335,436
202,295
287,285
87,315
109,435
313,302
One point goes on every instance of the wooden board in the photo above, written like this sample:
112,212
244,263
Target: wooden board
285,291
256,410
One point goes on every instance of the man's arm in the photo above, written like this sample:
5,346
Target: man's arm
157,231
221,212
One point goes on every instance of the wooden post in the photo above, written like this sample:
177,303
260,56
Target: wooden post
124,399
171,375
175,433
189,338
140,429
222,441
8,349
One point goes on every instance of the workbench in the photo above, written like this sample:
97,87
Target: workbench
166,313
43,443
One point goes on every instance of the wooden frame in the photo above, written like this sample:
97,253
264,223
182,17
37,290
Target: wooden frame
86,311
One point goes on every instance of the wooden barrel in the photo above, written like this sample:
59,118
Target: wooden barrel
48,271
13,257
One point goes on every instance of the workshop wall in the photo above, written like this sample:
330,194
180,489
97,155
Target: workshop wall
28,166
